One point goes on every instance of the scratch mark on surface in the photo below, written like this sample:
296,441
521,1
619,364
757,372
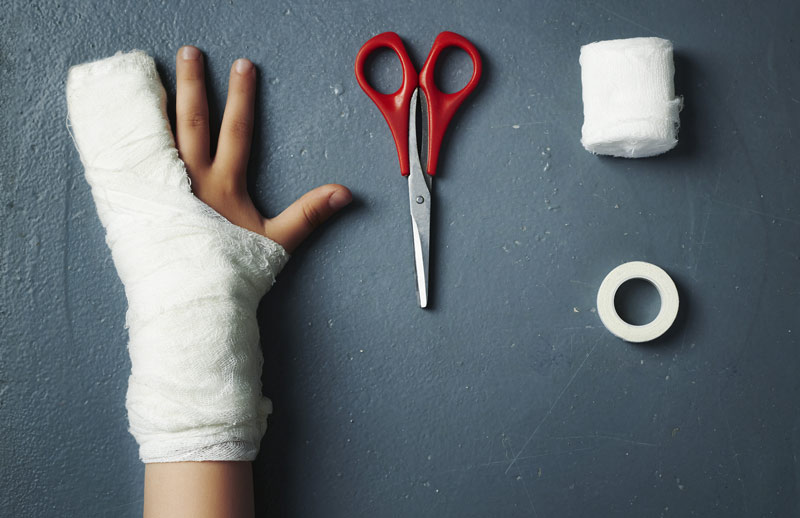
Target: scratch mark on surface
769,83
543,285
624,19
530,500
735,455
509,448
606,436
550,410
576,281
540,455
702,243
757,212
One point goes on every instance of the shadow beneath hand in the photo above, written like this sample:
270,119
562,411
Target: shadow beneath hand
273,471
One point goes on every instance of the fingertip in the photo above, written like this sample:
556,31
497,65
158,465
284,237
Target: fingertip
243,66
189,53
340,198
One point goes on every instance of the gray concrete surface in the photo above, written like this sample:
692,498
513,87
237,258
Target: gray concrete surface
507,398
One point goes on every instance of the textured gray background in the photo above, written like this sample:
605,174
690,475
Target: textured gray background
508,397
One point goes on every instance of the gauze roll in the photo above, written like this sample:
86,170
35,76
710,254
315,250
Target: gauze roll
629,104
192,279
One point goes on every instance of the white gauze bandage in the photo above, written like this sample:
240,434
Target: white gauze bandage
629,104
192,279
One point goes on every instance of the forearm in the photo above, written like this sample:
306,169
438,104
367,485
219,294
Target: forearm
198,490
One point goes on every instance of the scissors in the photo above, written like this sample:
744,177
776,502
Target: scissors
400,111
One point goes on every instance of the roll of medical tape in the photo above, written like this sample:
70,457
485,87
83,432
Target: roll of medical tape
666,290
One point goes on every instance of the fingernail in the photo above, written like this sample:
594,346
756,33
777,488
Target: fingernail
339,199
243,66
190,52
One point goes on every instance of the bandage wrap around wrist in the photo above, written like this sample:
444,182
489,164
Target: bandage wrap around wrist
193,280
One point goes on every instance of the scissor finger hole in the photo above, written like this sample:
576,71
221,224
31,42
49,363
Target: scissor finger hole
453,70
384,71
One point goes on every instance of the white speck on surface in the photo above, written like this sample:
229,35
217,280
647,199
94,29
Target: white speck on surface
576,310
337,89
330,322
515,126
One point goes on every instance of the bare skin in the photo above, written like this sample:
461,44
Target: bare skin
216,489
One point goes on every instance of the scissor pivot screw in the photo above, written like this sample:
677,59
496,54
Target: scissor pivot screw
420,199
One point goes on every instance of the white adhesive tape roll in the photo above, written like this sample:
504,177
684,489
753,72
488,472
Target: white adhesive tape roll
666,290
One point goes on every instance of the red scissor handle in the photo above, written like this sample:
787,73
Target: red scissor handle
394,107
442,106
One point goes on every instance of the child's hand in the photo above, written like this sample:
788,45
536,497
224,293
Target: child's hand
221,181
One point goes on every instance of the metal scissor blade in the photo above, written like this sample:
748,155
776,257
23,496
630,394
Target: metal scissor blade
419,195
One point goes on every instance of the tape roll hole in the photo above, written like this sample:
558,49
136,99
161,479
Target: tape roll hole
637,302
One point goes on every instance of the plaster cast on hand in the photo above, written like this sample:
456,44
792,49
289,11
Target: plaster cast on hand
629,104
193,280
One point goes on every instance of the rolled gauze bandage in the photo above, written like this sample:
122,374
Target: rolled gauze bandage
193,280
629,104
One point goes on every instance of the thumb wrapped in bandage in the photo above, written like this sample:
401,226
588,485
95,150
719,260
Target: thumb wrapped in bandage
193,280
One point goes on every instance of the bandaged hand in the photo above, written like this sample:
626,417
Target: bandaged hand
193,252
